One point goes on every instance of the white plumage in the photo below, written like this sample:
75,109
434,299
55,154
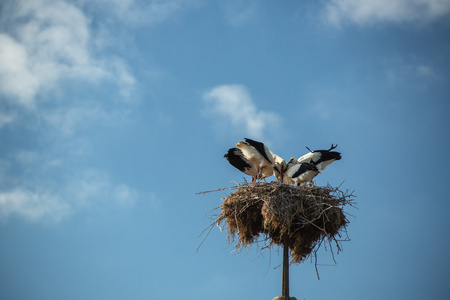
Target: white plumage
279,168
237,159
321,158
255,159
300,173
259,155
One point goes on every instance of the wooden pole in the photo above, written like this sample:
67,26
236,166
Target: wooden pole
285,280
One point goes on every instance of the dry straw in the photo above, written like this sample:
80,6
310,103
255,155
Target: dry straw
302,217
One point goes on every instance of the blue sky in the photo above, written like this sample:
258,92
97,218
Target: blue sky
113,114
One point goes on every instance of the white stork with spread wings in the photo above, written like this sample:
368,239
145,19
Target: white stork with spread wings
237,159
253,158
259,154
321,158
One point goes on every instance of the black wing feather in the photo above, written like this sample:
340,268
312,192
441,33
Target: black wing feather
327,155
304,167
235,158
259,147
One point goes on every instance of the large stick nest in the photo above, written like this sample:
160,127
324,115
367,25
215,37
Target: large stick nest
303,217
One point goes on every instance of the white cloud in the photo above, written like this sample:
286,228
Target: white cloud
51,41
15,77
6,119
92,187
39,200
234,105
364,12
47,46
410,72
425,71
68,121
32,206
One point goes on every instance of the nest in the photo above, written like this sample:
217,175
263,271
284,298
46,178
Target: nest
299,217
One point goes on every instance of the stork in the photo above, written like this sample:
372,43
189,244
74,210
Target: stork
259,154
279,167
321,158
300,173
237,159
286,179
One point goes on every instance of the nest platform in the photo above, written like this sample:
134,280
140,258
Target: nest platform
301,217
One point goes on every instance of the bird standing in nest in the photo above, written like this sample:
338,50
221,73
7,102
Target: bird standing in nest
237,159
253,158
279,168
300,173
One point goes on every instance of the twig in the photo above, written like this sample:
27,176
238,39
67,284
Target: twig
218,190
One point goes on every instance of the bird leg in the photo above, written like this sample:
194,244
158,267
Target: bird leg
260,174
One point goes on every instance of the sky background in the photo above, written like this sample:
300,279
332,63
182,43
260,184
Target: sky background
114,114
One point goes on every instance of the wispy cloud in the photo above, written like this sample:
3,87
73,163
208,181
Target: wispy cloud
363,12
92,187
6,118
410,72
54,206
47,46
140,12
232,105
16,80
50,42
57,190
32,206
333,106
